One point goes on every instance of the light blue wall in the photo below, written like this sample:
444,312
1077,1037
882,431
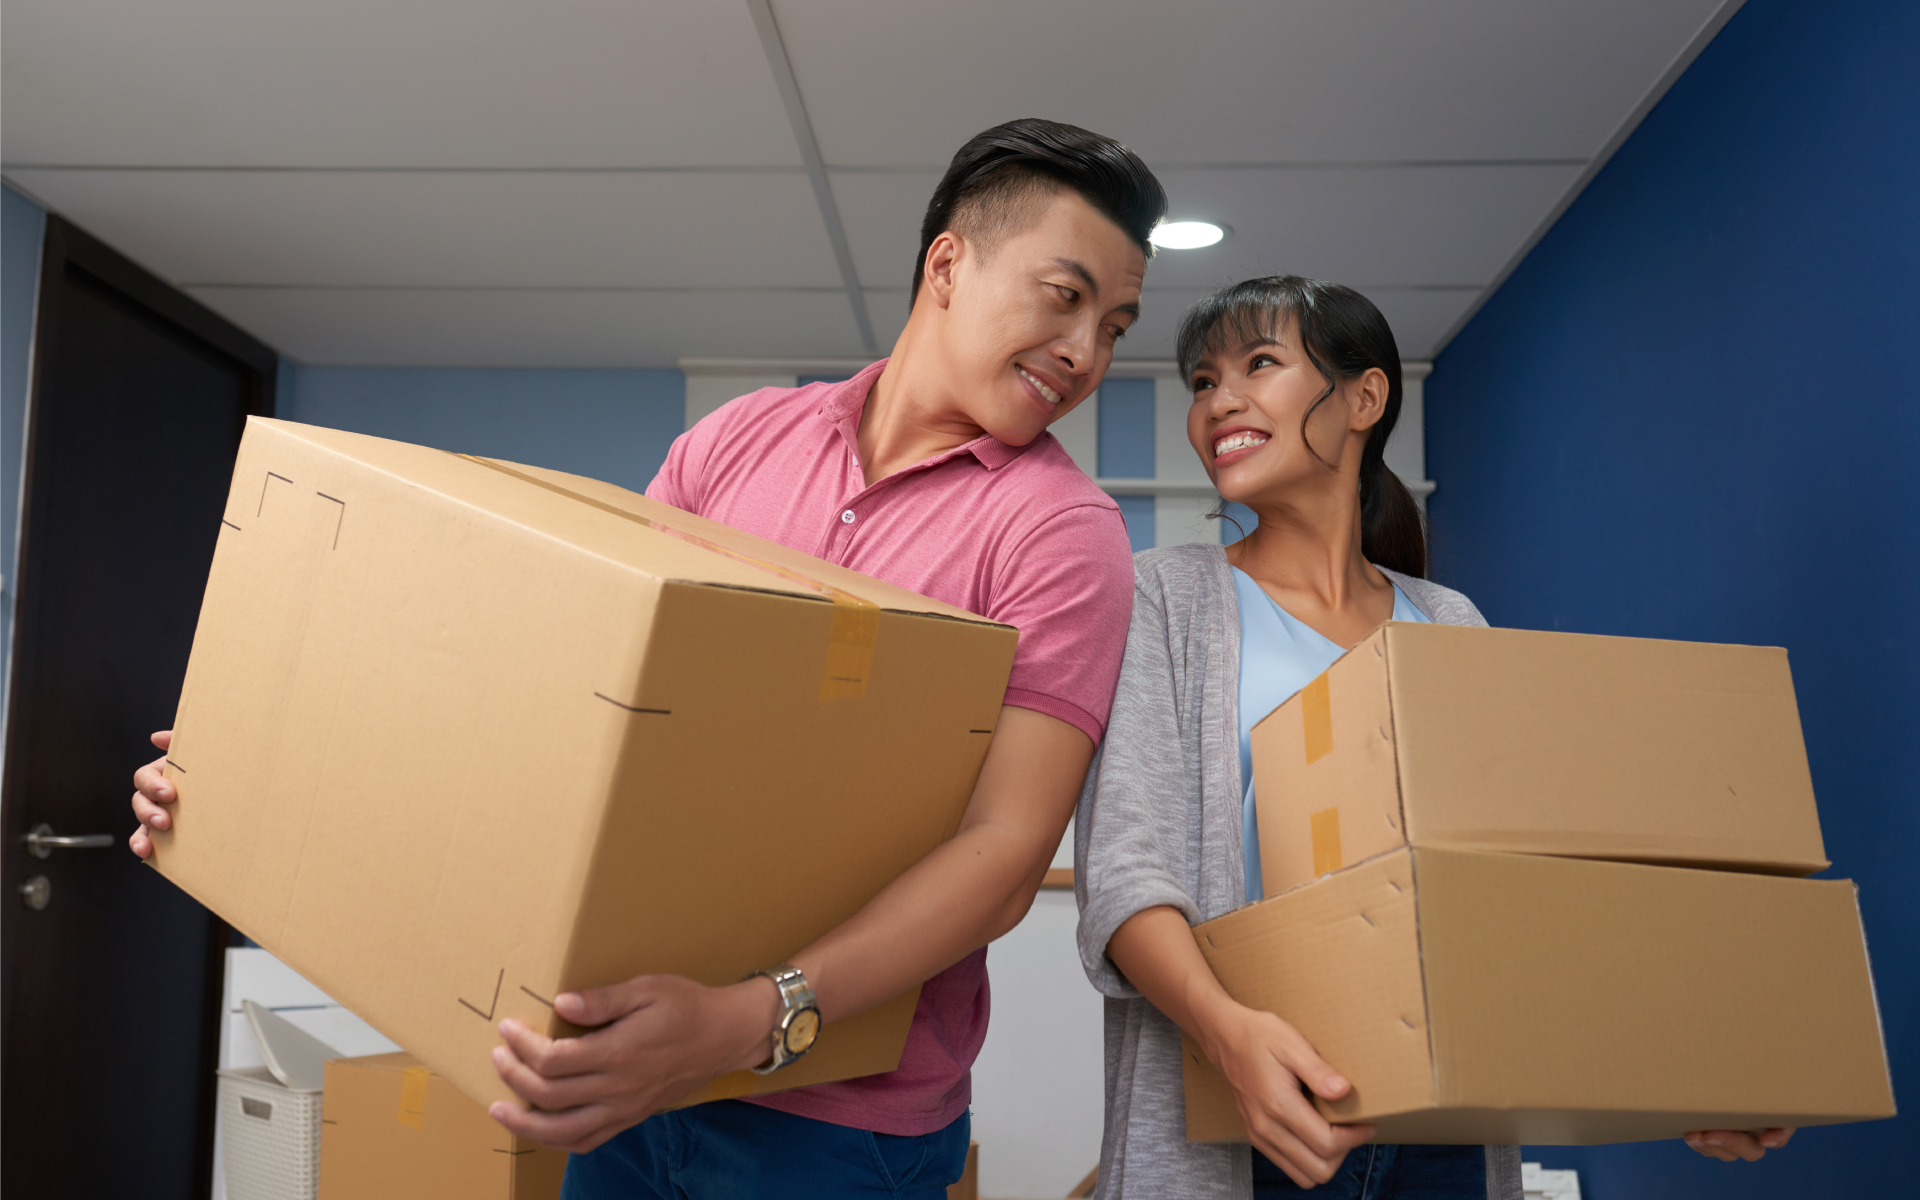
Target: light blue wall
609,425
22,224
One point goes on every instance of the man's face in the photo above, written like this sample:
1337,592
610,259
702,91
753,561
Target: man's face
1031,324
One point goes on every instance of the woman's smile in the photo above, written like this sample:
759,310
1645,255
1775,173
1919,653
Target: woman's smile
1235,442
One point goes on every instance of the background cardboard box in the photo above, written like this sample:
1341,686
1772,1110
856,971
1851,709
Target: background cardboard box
393,1130
1508,998
457,736
1628,749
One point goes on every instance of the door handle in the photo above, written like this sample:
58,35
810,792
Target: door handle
42,842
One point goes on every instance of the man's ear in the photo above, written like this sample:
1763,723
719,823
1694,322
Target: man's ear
1367,399
943,259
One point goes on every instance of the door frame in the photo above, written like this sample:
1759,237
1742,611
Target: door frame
68,249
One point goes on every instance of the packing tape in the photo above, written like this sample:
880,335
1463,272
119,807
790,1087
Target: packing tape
856,620
413,1096
1316,718
1325,829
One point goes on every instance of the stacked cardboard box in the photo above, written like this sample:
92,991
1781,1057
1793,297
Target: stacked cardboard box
1536,887
459,735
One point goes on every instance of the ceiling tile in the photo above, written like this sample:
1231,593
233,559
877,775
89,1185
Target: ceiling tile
437,229
1418,316
465,83
478,328
1235,81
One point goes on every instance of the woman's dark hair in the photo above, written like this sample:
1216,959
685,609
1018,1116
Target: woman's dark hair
1344,336
993,176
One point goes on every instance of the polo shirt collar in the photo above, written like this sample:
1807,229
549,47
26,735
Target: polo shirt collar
843,403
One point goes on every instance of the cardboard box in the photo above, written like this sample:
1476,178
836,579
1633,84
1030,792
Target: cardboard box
1626,749
457,736
1510,998
393,1130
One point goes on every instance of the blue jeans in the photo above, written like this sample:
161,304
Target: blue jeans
1388,1173
730,1149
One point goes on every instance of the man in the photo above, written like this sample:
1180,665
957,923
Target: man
933,470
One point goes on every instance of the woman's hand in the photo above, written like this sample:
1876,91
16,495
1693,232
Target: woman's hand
1731,1145
1275,1074
1268,1063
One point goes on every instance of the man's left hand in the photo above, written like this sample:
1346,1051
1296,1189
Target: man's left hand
655,1039
1731,1145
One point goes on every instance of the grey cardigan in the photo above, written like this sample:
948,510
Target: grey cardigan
1158,823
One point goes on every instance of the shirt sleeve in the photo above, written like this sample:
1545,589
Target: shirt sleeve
1069,591
680,480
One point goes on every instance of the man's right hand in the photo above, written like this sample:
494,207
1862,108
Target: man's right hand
151,793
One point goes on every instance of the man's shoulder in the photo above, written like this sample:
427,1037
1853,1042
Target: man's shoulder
1046,472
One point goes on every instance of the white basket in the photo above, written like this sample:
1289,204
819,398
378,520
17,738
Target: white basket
272,1136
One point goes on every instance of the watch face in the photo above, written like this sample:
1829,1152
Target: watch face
801,1031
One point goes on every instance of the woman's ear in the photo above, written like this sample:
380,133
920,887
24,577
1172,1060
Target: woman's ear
1367,399
937,273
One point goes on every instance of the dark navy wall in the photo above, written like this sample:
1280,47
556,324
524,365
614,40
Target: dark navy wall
1692,412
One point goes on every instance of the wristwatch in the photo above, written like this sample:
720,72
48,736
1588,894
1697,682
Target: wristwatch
799,1025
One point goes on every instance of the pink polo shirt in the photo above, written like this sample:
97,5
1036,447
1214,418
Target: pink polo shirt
1016,534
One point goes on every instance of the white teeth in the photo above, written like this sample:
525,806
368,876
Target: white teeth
1238,441
1052,396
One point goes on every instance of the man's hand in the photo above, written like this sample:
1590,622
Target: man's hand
1732,1145
658,1038
664,1036
150,792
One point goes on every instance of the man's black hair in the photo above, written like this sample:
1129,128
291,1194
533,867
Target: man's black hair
995,172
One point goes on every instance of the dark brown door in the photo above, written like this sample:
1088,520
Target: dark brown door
110,979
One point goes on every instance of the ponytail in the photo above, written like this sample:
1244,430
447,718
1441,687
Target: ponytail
1344,336
1392,535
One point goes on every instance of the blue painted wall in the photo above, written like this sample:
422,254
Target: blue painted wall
610,425
22,225
1692,412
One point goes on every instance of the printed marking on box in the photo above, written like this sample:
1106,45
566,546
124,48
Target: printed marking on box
1325,829
1316,718
413,1096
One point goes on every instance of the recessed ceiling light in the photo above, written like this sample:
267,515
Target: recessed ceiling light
1186,235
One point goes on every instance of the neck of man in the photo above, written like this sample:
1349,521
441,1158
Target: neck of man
912,412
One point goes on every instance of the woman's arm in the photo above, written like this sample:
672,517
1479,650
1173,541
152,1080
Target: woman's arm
1265,1059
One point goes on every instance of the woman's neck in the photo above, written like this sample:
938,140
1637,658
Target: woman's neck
1306,554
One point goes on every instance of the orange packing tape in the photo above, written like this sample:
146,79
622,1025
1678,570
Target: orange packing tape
1325,830
856,620
413,1096
1316,718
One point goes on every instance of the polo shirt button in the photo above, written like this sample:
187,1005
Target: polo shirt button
846,518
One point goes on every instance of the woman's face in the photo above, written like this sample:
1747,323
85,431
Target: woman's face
1249,403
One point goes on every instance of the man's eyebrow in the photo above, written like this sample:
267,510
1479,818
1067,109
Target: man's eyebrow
1079,271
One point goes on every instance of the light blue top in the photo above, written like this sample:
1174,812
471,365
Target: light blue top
1279,655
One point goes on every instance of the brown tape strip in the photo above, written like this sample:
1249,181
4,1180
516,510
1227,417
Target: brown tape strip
856,620
1316,718
1325,829
413,1096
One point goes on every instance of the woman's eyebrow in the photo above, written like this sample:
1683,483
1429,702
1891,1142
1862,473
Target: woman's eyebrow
1248,347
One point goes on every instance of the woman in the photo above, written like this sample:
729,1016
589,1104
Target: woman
1296,388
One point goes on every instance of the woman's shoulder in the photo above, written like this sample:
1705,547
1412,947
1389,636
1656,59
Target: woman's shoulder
1179,579
1442,604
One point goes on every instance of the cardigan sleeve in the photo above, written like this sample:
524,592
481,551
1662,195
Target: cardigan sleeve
1131,837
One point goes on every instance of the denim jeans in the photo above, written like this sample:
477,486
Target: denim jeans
1388,1173
730,1149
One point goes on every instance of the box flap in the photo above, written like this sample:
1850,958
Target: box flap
1633,749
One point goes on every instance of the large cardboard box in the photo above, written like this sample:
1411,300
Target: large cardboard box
391,1129
1508,998
457,736
1626,749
